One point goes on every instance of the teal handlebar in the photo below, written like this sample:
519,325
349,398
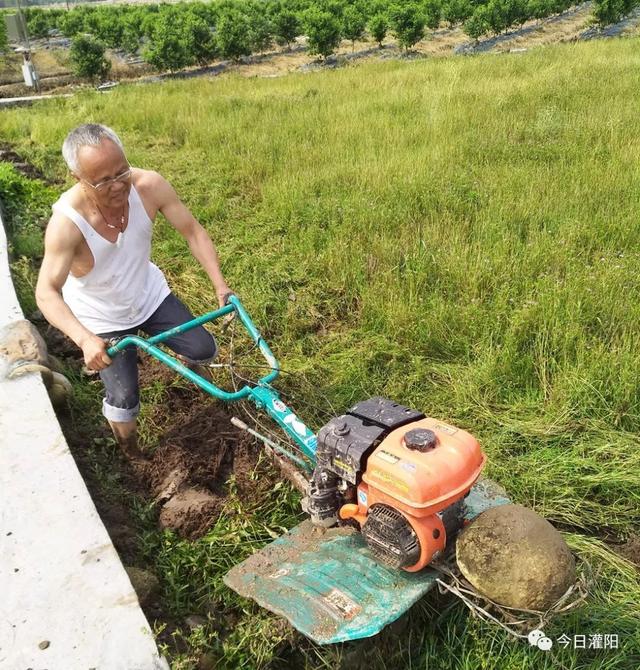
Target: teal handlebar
261,393
232,305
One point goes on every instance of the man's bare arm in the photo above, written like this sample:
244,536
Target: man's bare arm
197,237
60,243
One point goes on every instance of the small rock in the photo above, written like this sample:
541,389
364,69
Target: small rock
207,662
44,644
145,584
194,621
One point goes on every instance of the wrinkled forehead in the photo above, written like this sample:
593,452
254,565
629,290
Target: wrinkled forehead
101,161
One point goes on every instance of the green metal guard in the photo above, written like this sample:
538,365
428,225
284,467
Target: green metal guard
262,394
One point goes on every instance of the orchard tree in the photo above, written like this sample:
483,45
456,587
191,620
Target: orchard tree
407,22
88,59
353,24
496,16
71,23
477,24
38,24
260,28
608,11
286,25
378,26
169,47
432,13
4,40
456,11
201,42
108,26
233,34
323,31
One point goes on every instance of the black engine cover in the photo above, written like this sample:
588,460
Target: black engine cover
346,441
390,537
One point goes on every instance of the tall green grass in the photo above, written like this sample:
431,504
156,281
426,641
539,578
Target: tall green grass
461,235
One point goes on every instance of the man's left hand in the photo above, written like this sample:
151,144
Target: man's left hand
223,295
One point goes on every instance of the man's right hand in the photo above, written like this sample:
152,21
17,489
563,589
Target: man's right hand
95,353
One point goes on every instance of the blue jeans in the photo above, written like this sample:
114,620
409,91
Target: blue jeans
120,378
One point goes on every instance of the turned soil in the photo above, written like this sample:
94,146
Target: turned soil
193,459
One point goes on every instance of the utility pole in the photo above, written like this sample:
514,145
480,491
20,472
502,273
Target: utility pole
28,66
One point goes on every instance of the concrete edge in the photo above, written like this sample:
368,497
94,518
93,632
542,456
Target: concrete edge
67,601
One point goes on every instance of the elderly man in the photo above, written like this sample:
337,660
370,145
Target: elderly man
97,282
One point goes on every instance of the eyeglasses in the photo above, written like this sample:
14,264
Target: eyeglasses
102,185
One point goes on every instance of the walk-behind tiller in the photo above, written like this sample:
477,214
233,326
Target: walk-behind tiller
388,488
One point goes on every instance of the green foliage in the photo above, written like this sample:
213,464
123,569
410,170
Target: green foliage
232,29
200,39
286,25
432,13
323,31
38,24
612,11
107,26
353,23
478,24
131,39
179,39
407,22
457,11
87,58
260,29
71,23
378,26
4,40
233,34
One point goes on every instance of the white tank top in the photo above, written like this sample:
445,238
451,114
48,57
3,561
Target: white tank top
124,288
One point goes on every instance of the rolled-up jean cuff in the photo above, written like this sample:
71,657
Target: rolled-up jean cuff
119,414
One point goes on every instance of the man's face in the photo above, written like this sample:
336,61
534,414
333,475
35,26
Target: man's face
99,164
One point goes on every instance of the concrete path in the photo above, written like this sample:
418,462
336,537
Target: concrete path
66,602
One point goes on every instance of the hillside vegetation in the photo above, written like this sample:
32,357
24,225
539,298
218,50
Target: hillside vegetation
460,235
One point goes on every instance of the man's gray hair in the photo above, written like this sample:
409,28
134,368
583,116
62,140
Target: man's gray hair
89,134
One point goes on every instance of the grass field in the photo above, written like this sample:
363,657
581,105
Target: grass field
458,234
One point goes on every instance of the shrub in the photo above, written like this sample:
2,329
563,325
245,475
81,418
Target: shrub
407,22
233,34
4,40
286,26
477,24
169,47
38,24
378,26
88,59
353,24
323,31
457,11
433,13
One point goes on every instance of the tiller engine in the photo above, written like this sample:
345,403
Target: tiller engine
399,476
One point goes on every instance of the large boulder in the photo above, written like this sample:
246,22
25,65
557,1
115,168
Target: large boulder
516,558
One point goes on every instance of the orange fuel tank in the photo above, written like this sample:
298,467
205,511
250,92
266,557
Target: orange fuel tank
419,470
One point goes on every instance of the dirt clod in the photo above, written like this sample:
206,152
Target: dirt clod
190,511
199,453
630,550
145,584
